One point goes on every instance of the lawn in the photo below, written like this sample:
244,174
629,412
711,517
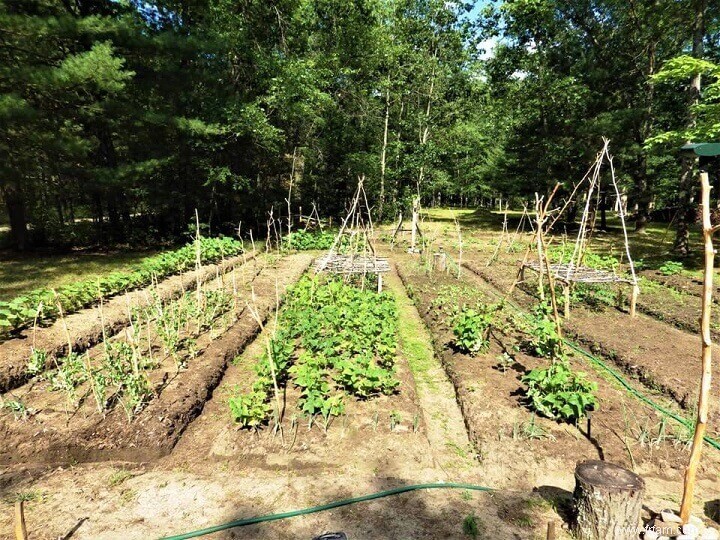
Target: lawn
22,273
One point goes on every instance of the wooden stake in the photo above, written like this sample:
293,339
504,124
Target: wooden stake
566,294
20,527
551,530
633,300
704,398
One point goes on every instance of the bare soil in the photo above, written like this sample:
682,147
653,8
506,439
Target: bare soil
623,430
84,328
643,347
218,472
56,433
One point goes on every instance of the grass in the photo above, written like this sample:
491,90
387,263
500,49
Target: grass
22,273
653,247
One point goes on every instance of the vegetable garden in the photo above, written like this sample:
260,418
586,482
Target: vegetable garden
255,364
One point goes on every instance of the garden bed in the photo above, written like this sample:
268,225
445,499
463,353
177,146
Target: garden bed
643,347
84,329
524,449
52,428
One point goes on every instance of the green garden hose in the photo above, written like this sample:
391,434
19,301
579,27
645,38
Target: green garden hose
619,378
323,507
712,442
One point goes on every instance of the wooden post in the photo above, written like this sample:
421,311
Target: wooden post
608,501
20,527
633,300
704,398
551,530
566,294
413,232
440,261
380,283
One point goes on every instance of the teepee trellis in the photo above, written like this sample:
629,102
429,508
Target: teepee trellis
356,255
574,271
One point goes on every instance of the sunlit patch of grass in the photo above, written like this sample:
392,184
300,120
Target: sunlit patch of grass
22,273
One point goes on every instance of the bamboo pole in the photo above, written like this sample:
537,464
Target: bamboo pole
704,398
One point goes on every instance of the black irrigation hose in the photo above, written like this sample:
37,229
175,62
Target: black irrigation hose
323,507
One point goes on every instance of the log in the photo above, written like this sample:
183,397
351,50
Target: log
608,501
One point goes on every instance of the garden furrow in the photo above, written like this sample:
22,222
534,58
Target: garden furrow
54,436
84,329
660,356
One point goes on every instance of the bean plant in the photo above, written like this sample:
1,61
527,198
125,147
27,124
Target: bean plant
333,340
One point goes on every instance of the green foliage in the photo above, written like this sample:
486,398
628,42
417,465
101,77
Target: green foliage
471,526
472,327
36,362
558,392
307,240
250,410
544,338
43,303
333,339
671,268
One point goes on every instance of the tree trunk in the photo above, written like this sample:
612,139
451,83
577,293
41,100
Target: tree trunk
15,203
608,501
383,155
686,214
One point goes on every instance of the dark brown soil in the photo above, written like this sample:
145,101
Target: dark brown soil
493,406
52,435
84,329
662,357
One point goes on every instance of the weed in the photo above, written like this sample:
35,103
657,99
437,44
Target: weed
16,407
118,477
395,420
472,526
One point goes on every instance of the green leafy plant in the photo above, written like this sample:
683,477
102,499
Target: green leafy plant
333,339
472,328
37,362
46,303
560,393
671,268
306,240
544,338
250,410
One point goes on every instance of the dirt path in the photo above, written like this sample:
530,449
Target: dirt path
446,430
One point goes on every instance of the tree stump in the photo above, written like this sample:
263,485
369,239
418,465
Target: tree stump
608,501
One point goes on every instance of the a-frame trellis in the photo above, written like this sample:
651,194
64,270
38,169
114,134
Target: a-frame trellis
574,271
353,250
